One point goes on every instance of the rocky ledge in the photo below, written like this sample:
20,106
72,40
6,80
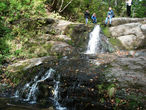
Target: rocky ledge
130,31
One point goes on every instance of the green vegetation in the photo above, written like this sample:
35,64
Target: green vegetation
74,9
19,24
139,8
106,31
22,24
16,27
116,43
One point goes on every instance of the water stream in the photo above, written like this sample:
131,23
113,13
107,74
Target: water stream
94,41
56,97
29,92
32,87
98,43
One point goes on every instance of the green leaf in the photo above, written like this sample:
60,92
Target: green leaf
111,91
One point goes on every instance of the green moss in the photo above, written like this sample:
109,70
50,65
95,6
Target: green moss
16,72
116,43
78,34
106,31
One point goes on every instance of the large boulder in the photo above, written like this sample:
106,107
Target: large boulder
60,47
28,68
24,65
57,27
78,34
128,41
124,20
143,28
131,35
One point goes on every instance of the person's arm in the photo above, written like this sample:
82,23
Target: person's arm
113,13
92,17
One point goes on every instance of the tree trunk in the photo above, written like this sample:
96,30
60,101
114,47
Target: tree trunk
54,5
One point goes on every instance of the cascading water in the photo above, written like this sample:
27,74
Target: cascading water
98,42
56,96
93,44
30,91
32,87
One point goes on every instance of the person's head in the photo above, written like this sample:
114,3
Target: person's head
94,14
87,10
110,8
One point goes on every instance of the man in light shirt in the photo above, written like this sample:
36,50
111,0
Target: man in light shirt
129,3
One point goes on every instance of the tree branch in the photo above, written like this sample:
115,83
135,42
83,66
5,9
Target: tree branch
61,5
65,6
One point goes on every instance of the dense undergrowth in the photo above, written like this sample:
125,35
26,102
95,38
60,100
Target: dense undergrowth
16,29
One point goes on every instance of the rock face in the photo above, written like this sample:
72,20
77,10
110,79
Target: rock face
29,63
143,28
63,37
127,40
130,31
55,26
79,34
19,71
130,71
124,20
61,48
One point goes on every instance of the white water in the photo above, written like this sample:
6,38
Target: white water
94,41
56,97
31,95
32,88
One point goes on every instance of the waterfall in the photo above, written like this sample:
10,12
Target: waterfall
32,87
98,43
94,41
56,97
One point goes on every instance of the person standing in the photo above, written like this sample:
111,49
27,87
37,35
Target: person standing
128,4
93,17
109,17
86,16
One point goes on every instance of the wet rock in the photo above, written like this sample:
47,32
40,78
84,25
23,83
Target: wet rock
78,33
50,108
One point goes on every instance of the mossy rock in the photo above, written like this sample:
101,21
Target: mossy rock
78,33
17,71
115,42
